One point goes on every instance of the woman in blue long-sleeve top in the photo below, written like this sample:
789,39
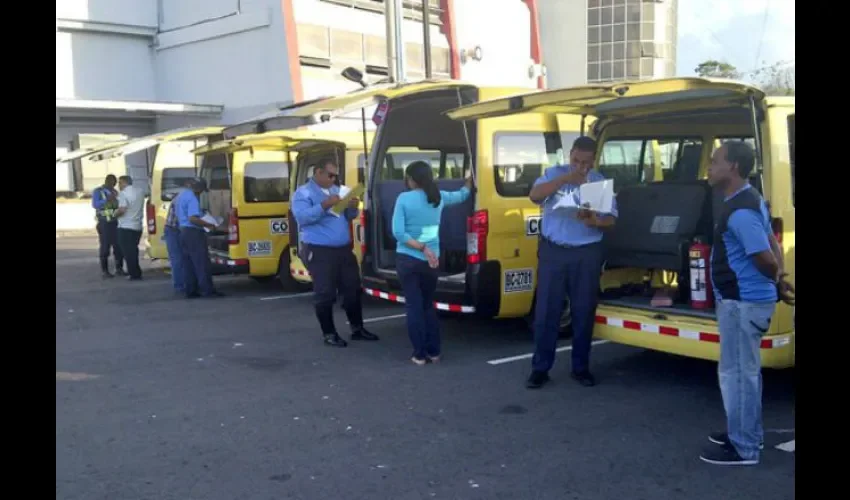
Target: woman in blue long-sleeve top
416,228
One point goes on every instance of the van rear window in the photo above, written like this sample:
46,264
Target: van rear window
520,158
266,181
174,179
631,162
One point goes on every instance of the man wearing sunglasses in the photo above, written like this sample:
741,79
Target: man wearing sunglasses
327,251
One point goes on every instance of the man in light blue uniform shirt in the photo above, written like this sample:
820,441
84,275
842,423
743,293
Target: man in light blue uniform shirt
570,264
327,252
197,276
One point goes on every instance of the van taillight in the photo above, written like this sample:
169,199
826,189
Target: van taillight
778,228
362,234
150,211
477,228
233,227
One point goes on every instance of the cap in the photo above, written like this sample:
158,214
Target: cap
199,184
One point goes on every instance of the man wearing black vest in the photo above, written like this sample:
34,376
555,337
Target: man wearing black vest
747,276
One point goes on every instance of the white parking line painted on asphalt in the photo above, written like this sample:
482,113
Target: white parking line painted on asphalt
288,296
789,446
511,359
382,318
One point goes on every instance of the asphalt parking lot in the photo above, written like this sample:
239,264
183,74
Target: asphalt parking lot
158,397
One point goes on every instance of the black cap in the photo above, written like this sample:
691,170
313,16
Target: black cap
199,184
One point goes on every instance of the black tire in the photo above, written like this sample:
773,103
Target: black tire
565,329
285,278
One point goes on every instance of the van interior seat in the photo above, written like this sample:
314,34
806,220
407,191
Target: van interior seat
656,224
452,221
687,168
453,218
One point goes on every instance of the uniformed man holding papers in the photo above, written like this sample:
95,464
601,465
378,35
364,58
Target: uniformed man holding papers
327,251
570,262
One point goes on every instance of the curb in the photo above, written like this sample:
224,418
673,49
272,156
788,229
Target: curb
76,233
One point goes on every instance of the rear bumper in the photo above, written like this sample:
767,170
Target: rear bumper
478,294
223,264
777,351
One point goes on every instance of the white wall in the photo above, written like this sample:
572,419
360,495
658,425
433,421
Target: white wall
563,35
104,66
502,28
238,60
128,12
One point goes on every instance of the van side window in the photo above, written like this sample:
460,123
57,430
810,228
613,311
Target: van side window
631,162
266,181
361,168
173,179
520,158
791,142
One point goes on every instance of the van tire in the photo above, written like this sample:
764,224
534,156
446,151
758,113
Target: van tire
287,282
565,329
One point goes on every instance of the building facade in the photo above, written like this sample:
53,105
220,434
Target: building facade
594,41
134,67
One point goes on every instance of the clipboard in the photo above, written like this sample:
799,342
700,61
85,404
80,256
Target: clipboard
346,194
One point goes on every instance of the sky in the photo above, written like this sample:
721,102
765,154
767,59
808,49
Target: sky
731,31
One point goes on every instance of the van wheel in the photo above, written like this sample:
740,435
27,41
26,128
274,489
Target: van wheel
286,280
565,326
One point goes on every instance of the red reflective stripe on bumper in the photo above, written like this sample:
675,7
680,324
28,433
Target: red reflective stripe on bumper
439,305
771,342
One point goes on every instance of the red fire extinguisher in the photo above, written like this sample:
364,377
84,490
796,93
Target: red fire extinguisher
699,255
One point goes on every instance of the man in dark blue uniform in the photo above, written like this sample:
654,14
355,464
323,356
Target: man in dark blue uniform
105,201
193,242
570,264
327,252
747,277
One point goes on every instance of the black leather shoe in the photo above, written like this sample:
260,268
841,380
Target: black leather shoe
584,378
215,294
335,340
363,334
536,380
120,272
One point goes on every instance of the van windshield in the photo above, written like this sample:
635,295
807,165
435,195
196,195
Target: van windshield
174,179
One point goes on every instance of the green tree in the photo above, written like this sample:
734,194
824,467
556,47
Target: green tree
717,69
776,79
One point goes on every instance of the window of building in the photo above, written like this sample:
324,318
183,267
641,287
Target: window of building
633,13
593,71
606,33
619,32
592,53
593,35
633,32
266,181
620,14
646,67
619,51
647,31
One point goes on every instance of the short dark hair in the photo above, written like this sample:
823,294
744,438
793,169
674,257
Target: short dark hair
584,143
110,177
126,178
741,154
324,162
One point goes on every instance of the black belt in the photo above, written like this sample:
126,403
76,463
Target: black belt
568,247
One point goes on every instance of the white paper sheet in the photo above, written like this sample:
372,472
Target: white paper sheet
596,196
208,217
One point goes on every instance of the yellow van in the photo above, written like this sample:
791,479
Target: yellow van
656,139
251,179
173,166
349,151
489,243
